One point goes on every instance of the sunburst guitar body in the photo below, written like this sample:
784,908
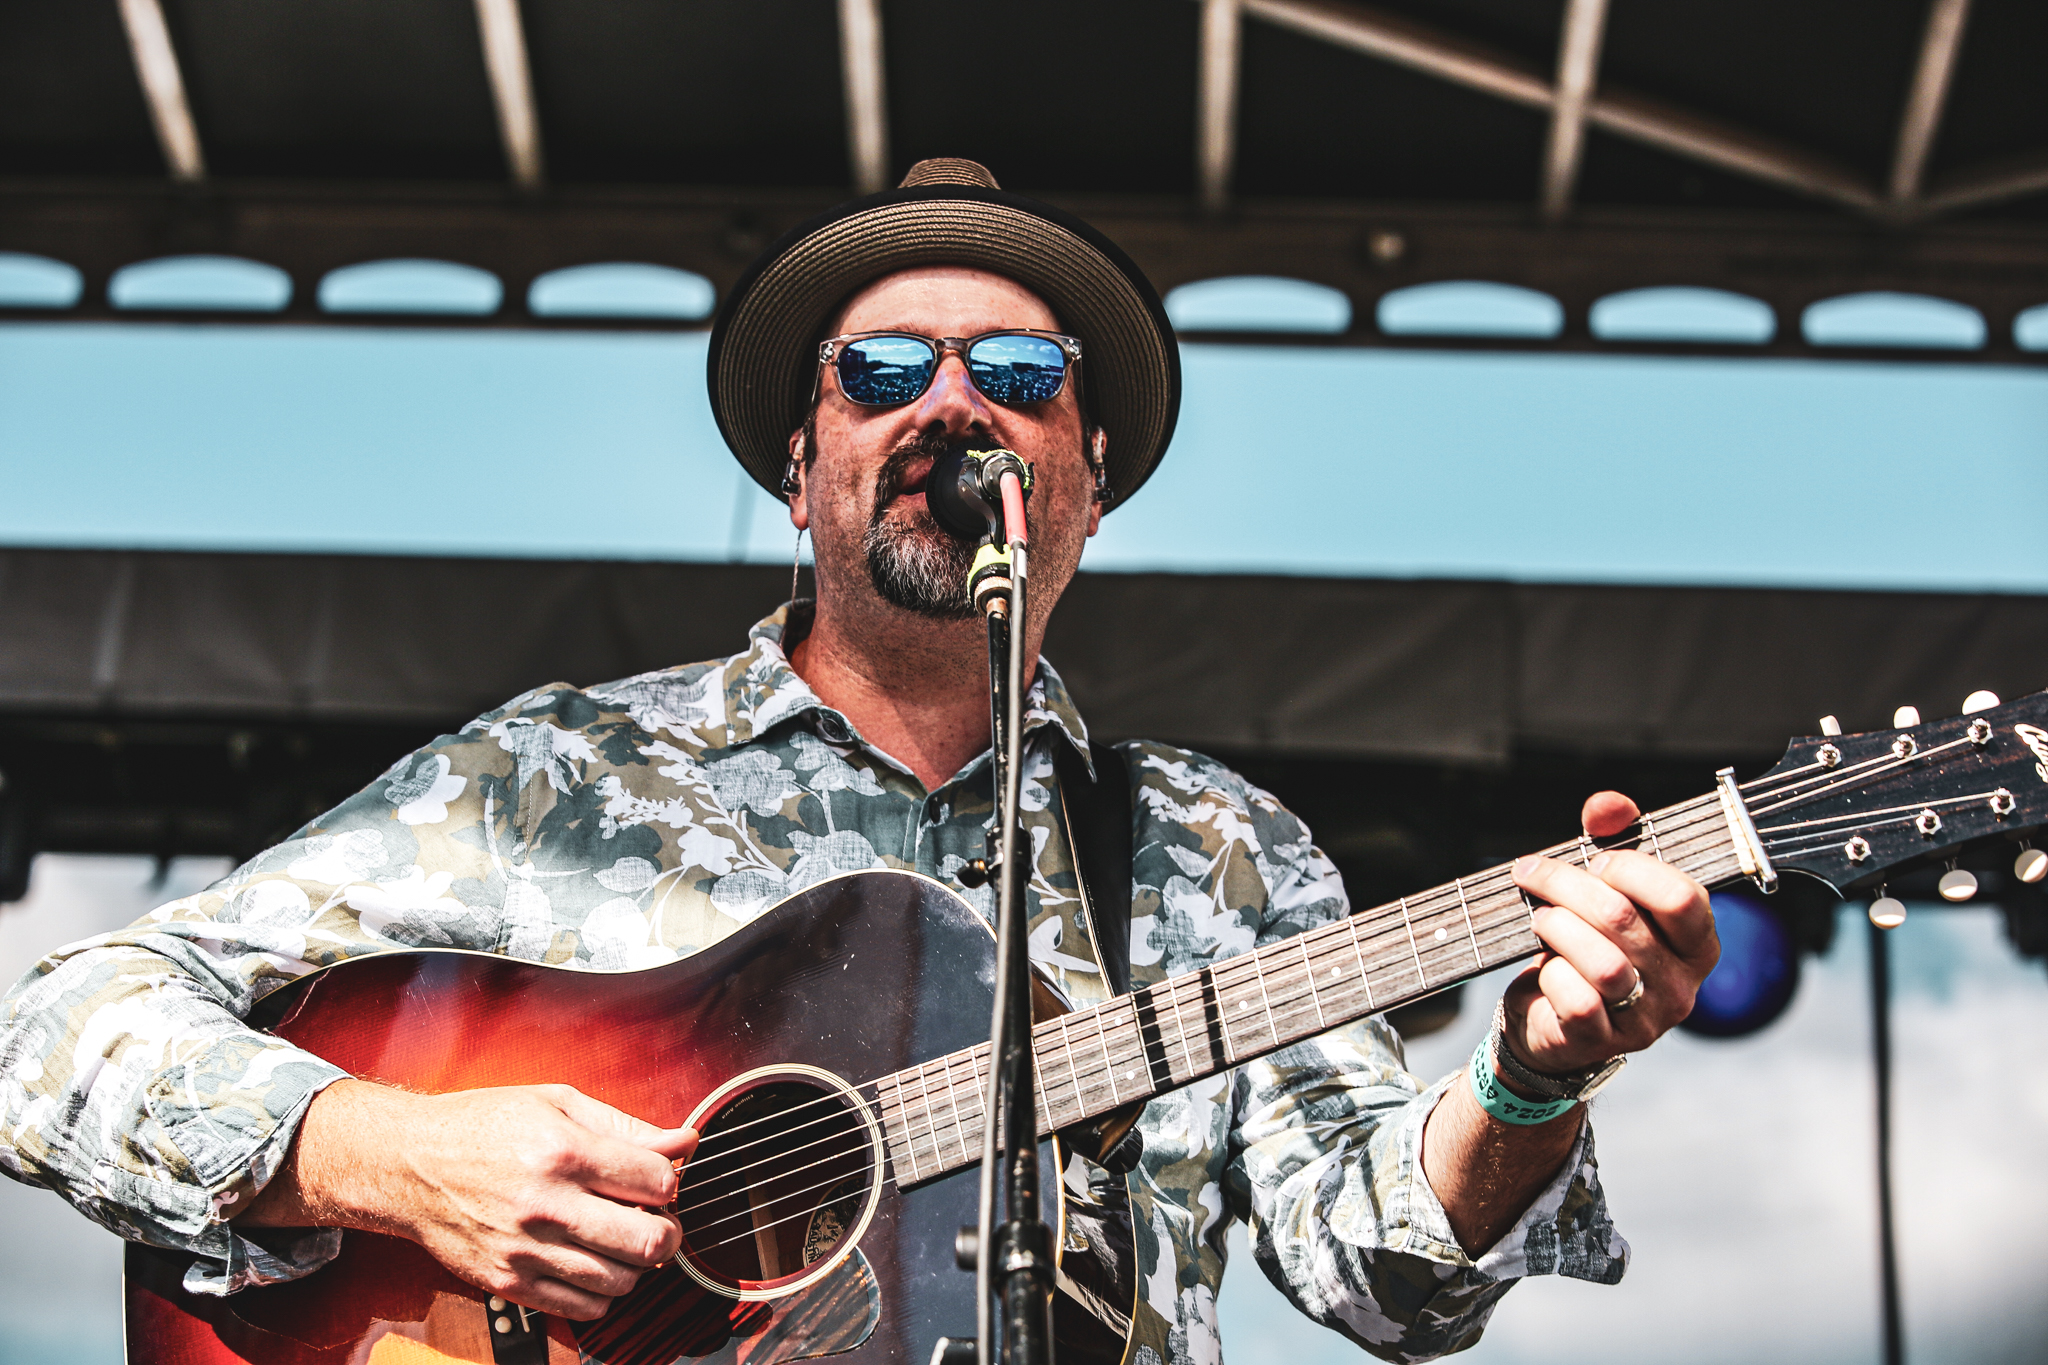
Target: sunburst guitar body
801,1238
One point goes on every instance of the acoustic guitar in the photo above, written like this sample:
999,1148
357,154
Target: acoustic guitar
833,1054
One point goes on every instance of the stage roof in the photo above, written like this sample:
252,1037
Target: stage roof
1788,151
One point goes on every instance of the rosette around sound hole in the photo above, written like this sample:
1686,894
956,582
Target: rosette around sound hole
783,1180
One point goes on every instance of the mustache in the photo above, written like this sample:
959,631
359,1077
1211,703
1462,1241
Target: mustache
892,478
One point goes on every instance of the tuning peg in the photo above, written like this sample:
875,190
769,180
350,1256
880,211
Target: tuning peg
1887,913
1956,884
2031,865
1980,700
1905,716
1830,726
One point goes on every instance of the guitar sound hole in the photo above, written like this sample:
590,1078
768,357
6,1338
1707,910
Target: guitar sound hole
780,1179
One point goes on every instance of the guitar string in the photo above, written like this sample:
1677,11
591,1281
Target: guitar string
784,1197
1861,773
1327,941
1829,775
1911,809
1220,976
1816,838
727,1151
1673,826
860,1142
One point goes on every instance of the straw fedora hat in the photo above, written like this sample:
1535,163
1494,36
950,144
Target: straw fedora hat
764,354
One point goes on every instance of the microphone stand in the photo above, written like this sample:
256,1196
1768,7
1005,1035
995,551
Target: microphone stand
1014,1267
982,493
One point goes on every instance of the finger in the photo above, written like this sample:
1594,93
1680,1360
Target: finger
620,1232
550,1295
1607,813
600,1117
581,1268
1589,897
1578,1012
1594,957
1677,903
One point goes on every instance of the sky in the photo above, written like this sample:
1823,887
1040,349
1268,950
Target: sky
1340,461
1740,1171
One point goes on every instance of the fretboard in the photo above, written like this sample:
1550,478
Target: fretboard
1161,1037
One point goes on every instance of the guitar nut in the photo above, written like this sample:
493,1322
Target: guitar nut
2003,803
1857,849
1979,732
1828,755
1904,747
1928,823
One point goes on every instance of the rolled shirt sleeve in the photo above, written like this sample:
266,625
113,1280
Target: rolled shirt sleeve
130,1083
1327,1171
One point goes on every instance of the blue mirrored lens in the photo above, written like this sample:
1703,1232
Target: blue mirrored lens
884,371
1014,369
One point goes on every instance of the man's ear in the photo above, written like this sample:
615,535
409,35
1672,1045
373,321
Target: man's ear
1098,450
793,482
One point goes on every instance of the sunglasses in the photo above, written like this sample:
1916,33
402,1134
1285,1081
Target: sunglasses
889,369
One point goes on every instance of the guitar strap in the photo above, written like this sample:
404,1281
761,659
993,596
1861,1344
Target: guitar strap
1097,815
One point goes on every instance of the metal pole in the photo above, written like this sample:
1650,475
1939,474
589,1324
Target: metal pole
1881,1059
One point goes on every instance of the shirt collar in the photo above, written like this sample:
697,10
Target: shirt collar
762,690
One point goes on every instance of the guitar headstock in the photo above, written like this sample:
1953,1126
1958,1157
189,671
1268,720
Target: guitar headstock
1850,809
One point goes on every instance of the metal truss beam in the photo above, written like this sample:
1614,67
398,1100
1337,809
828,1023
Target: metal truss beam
163,86
1922,118
504,37
1363,250
1216,141
867,110
1637,117
1578,65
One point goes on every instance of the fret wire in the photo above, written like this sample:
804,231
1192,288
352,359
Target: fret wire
1259,971
924,1090
1073,1071
1650,828
1116,1096
974,1081
1358,951
909,1132
1466,905
1409,924
1311,969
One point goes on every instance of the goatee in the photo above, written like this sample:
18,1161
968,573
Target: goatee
911,561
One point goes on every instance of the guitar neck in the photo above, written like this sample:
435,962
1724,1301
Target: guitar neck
1161,1037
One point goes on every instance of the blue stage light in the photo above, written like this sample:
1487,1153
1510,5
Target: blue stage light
1757,974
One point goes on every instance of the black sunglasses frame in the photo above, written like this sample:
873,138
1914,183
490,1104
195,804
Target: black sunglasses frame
832,349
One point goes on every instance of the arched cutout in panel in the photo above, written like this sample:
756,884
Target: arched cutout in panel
1683,313
1470,308
622,289
1886,319
2030,329
224,284
1258,303
38,282
411,286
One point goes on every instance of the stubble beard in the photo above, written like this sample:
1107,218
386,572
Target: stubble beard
911,561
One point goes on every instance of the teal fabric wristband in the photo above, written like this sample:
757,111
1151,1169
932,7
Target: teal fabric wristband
1497,1100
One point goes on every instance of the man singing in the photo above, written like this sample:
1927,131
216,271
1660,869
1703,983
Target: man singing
628,824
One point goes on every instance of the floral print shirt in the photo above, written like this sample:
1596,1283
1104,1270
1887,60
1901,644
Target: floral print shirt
627,824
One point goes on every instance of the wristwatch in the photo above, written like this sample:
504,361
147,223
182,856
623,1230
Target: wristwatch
1572,1085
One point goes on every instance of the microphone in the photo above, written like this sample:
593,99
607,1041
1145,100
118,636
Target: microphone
964,490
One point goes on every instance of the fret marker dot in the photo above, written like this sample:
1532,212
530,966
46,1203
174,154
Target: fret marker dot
1336,971
1246,1005
1441,935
